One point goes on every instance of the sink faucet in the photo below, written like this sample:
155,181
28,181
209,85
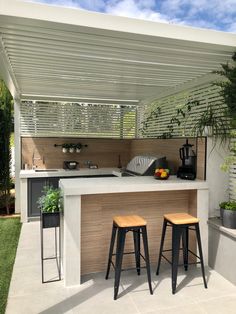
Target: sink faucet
34,159
88,163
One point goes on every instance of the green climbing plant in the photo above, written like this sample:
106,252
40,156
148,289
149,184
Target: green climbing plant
5,152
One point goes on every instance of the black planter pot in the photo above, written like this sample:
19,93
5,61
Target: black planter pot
221,213
229,219
50,220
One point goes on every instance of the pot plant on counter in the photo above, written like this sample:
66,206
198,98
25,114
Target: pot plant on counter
65,148
78,147
49,204
228,214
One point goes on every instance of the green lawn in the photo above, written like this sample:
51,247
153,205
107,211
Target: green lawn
9,236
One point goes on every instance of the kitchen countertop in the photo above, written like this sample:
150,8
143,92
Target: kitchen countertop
127,184
24,174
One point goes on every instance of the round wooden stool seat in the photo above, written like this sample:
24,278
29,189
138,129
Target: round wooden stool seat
181,218
129,221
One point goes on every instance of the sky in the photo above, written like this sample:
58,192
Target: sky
212,14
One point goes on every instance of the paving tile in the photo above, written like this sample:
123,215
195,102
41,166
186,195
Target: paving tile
54,302
28,295
183,309
219,305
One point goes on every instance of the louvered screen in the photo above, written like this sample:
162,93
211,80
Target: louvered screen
232,172
77,120
155,117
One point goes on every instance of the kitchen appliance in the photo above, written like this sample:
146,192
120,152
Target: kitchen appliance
144,165
187,170
70,164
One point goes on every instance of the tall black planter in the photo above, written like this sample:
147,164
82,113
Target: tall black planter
51,220
229,219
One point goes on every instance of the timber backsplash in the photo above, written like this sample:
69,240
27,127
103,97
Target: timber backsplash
105,152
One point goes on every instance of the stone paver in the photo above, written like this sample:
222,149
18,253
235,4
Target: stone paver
28,295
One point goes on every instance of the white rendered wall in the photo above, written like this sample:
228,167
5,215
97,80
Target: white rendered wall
218,181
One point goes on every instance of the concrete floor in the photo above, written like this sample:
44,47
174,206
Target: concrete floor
95,296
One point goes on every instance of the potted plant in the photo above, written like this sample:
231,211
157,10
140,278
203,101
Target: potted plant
65,148
228,211
49,204
212,123
78,147
72,148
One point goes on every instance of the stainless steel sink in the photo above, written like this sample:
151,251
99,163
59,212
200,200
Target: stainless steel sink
46,170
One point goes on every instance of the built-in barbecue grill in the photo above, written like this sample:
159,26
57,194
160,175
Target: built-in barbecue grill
144,165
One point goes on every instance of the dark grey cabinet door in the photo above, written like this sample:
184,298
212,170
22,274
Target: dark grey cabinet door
54,182
35,190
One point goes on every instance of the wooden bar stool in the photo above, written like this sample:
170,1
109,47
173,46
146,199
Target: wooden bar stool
124,224
181,223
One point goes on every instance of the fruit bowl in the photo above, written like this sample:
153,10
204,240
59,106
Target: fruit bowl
161,174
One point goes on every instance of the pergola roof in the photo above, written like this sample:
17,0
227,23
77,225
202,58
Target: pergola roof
54,52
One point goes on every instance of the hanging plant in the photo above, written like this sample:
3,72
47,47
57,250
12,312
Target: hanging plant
212,123
228,87
72,148
65,148
78,148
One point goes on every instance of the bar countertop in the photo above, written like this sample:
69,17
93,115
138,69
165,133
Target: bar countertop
127,184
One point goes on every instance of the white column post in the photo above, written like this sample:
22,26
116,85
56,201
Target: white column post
17,144
71,258
203,214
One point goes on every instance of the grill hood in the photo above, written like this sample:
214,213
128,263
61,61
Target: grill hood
145,165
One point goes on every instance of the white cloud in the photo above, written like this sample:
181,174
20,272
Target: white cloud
136,9
215,14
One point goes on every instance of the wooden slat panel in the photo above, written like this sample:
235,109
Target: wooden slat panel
103,152
201,158
98,211
170,149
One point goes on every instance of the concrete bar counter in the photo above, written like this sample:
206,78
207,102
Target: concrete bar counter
90,204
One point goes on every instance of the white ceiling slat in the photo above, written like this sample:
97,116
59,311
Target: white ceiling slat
24,46
186,58
117,39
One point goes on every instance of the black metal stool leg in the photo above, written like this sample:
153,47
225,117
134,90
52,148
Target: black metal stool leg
119,258
113,236
136,235
42,250
176,236
200,253
146,251
161,245
185,235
